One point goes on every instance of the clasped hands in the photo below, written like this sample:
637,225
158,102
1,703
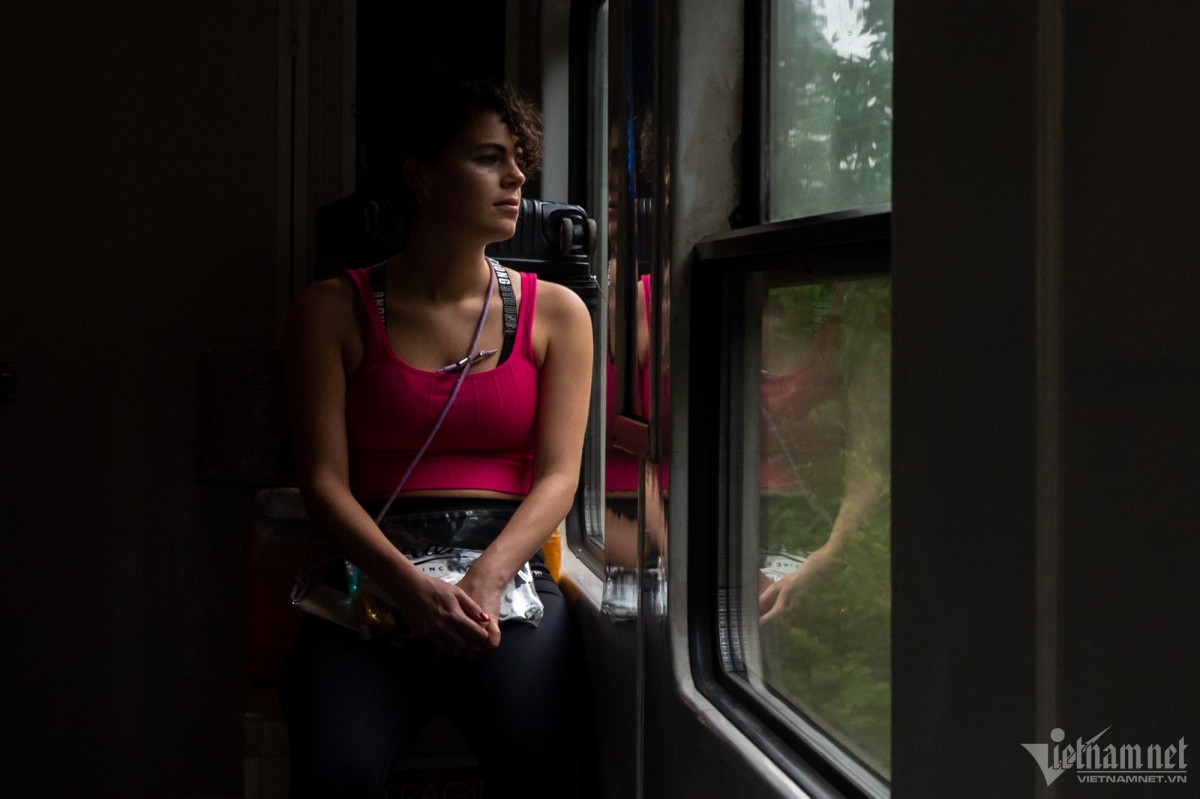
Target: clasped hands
460,620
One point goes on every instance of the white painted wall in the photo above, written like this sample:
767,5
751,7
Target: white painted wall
556,18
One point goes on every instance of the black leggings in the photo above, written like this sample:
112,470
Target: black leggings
353,706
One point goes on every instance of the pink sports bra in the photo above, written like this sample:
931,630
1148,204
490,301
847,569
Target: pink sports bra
799,446
487,439
621,468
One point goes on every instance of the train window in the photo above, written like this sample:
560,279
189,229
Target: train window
817,516
619,185
590,44
799,425
828,106
618,191
801,564
599,200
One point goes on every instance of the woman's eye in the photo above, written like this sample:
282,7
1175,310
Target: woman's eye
489,159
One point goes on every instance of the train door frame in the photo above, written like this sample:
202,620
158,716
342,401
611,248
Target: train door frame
316,133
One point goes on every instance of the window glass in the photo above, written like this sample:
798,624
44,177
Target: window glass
822,511
830,106
599,200
627,335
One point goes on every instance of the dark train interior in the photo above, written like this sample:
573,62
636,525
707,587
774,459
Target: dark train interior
899,300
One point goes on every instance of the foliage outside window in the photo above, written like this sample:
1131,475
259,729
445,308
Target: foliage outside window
824,508
830,106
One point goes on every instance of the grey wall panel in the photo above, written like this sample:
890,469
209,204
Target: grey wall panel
610,650
689,748
1043,520
1131,379
686,754
964,414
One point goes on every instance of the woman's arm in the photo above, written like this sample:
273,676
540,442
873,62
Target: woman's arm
564,388
320,332
867,475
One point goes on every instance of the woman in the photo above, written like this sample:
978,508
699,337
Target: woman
364,391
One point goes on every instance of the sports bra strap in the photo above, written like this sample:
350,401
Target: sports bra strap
510,309
378,278
378,275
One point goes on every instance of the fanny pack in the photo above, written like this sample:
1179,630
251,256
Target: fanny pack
441,542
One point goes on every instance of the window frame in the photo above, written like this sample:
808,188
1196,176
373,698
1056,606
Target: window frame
590,153
755,85
841,245
584,531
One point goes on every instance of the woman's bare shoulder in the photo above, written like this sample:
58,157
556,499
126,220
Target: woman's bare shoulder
325,310
558,306
327,299
562,321
329,296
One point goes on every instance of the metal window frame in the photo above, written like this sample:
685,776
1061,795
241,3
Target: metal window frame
628,432
840,245
756,76
587,511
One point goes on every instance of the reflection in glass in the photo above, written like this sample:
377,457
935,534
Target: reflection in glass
824,508
830,101
599,198
627,335
631,179
622,469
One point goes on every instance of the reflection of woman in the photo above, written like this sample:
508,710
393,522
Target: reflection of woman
365,390
621,470
828,400
620,467
801,390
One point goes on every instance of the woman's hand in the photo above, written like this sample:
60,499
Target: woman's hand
486,589
785,595
447,617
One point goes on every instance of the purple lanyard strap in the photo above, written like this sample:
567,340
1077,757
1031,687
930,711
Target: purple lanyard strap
303,580
462,367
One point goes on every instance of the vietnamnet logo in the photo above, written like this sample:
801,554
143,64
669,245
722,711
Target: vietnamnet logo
1095,763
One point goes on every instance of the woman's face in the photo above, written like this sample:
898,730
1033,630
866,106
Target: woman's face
475,186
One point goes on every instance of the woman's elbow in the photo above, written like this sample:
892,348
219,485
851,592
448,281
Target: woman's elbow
560,483
321,492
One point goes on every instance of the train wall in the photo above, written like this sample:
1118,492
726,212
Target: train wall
139,227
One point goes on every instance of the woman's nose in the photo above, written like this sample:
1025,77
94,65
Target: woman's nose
515,176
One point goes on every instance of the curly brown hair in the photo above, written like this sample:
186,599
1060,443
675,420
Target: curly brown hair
443,109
